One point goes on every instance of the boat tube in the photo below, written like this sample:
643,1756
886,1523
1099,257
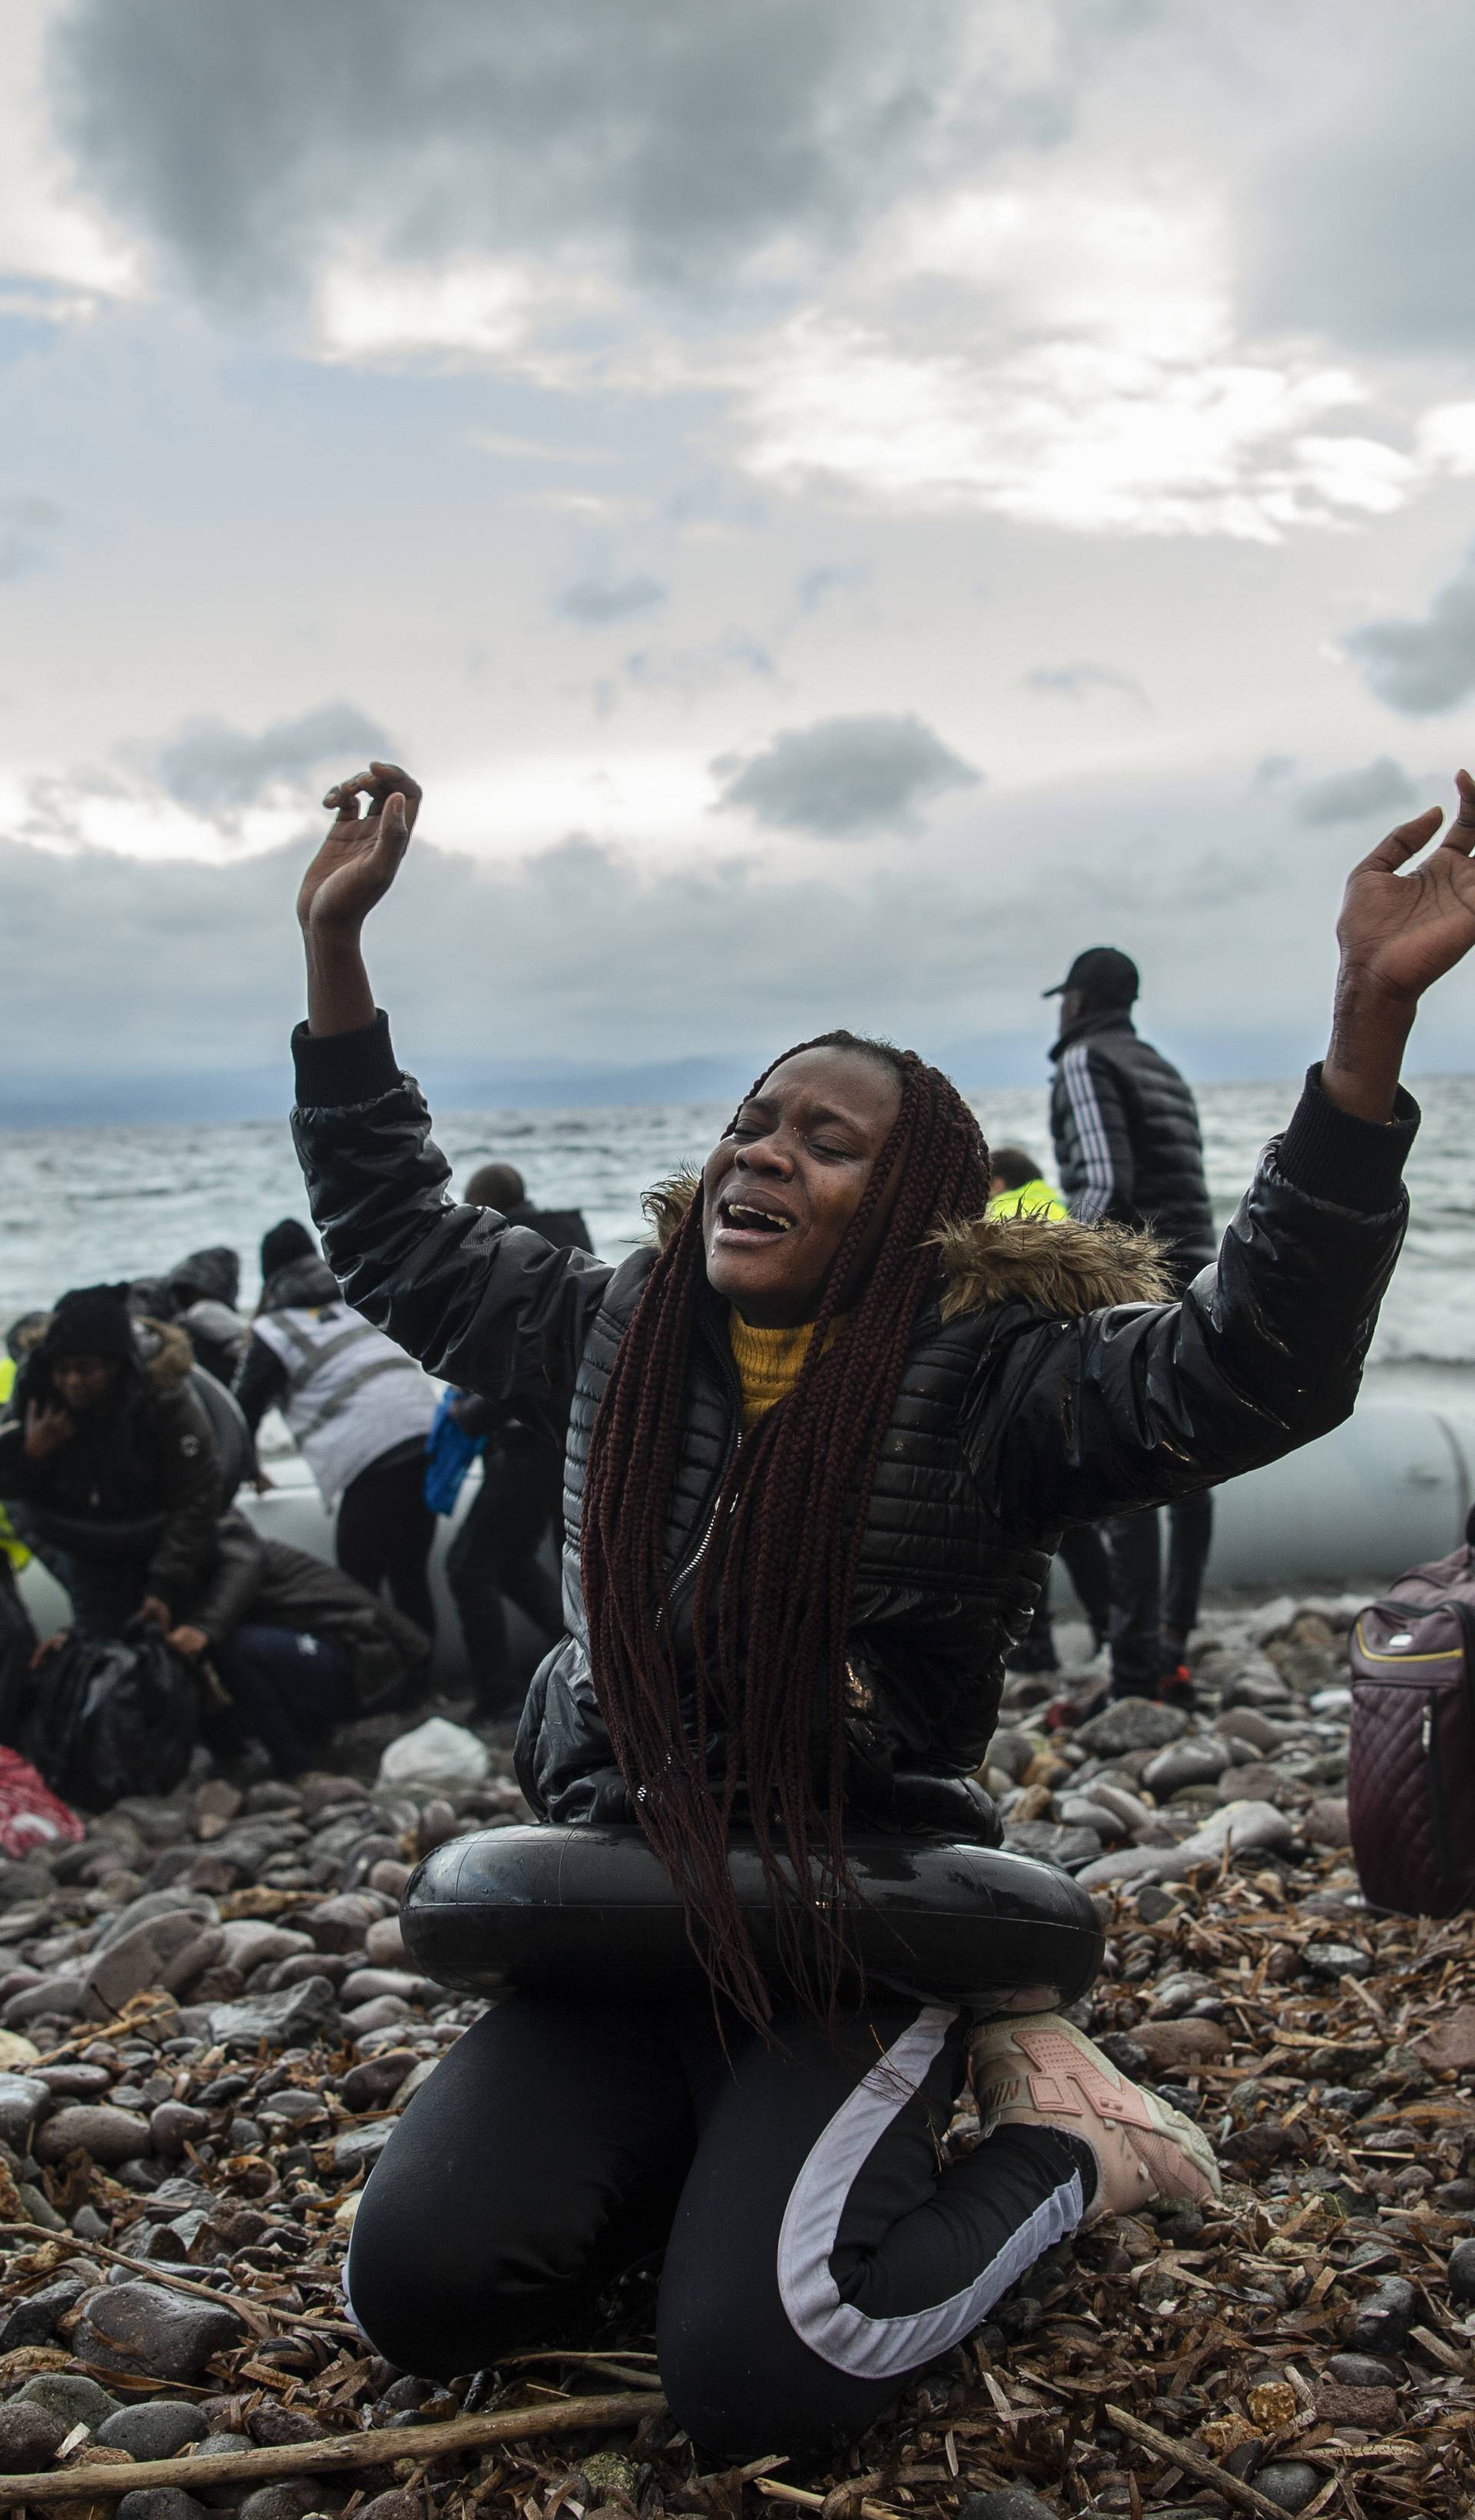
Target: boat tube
591,1910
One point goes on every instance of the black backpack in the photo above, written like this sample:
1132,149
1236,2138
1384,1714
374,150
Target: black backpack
109,1716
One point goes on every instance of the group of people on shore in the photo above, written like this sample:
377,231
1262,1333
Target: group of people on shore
824,1435
819,1440
117,1472
120,1458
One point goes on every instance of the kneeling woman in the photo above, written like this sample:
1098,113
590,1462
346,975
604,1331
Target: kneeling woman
822,1442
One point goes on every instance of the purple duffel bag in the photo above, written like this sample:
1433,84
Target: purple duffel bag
1410,1778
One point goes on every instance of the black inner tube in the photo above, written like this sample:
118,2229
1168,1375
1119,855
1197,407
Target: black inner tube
591,1909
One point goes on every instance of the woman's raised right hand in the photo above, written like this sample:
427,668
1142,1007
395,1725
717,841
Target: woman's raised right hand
360,858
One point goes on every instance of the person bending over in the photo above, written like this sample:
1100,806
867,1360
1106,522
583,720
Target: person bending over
109,1464
823,1439
296,1646
358,1411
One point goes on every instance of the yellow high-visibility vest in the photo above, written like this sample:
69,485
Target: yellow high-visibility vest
11,1548
1032,1198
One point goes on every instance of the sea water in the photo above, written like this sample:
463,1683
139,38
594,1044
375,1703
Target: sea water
83,1205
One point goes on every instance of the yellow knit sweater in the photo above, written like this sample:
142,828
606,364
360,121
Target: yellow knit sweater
768,1363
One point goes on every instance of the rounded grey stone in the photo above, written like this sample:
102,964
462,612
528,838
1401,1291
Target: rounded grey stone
161,2502
1007,2502
1290,2483
1361,2371
156,2429
71,2394
22,2099
1463,2271
1382,2325
110,2136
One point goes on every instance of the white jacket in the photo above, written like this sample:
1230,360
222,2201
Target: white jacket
352,1395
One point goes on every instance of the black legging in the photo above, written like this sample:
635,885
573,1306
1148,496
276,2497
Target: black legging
817,2254
384,1533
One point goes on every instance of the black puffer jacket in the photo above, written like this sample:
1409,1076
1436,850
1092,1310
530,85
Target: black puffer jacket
132,1498
1038,1392
1127,1141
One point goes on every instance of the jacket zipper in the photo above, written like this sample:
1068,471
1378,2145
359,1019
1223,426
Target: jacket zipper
1429,1744
707,1523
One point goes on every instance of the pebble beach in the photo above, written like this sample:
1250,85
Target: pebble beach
208,2026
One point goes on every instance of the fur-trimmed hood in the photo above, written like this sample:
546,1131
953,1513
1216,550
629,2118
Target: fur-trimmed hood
165,1353
1056,1265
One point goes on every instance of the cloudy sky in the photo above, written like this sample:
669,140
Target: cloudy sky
840,507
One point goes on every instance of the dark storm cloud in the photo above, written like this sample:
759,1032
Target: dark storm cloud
214,768
844,778
1420,667
596,600
574,950
117,968
685,138
1383,787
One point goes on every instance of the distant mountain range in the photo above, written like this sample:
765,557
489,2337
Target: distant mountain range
116,1097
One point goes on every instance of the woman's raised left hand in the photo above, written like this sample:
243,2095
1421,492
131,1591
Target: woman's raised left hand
1402,927
1400,931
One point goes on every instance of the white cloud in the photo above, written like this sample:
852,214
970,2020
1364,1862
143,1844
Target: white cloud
60,256
1068,434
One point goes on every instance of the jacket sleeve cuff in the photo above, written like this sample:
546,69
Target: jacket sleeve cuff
342,1067
1353,1163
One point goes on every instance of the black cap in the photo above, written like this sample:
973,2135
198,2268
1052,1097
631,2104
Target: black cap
1103,974
91,1320
286,1241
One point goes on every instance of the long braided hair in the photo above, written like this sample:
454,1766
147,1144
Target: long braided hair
773,1593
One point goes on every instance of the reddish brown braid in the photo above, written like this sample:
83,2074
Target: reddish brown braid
772,1607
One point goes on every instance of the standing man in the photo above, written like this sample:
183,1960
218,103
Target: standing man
1127,1146
498,1554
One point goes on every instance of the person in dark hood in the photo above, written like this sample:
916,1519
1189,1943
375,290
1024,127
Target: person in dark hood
111,1463
1128,1148
202,1291
824,1436
358,1410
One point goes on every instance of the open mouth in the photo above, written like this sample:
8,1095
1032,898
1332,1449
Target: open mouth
763,1224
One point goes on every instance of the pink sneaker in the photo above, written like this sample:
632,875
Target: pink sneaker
1046,2072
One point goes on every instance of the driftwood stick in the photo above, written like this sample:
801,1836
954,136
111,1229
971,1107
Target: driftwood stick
422,2443
1204,2471
254,2314
776,2492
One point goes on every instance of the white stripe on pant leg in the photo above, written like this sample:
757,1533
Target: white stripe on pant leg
881,2348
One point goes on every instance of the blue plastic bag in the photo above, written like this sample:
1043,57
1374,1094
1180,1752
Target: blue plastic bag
449,1454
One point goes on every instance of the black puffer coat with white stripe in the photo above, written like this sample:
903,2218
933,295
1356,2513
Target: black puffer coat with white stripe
1127,1143
1044,1384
